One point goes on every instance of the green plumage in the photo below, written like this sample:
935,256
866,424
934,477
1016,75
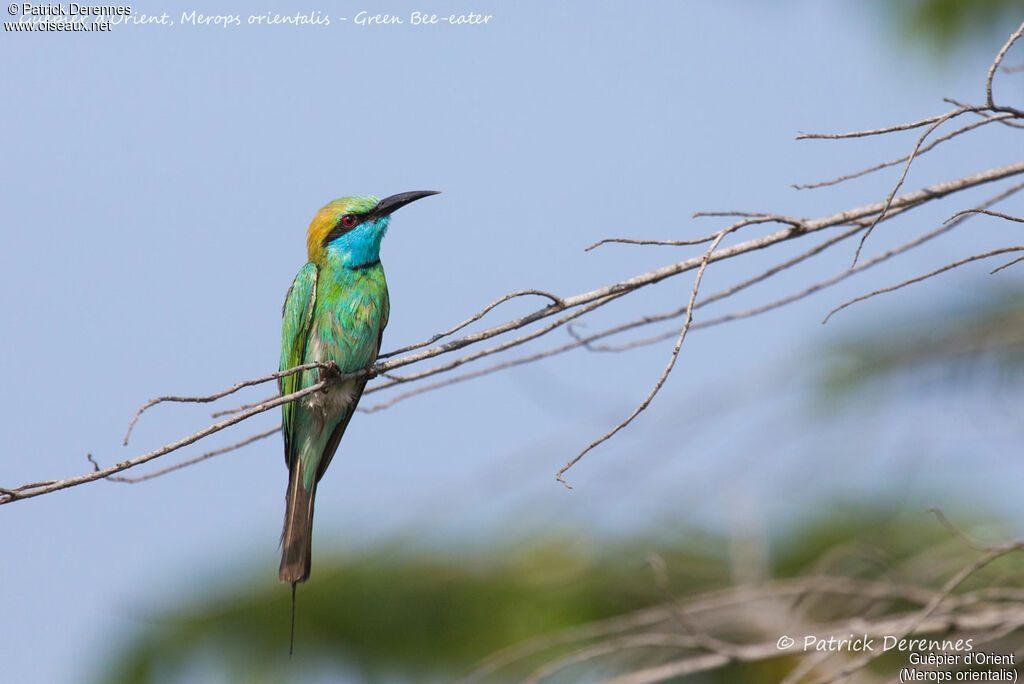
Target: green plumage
336,311
330,314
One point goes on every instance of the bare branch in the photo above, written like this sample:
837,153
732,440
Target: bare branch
806,226
916,621
564,310
700,607
47,486
980,610
587,301
946,227
906,625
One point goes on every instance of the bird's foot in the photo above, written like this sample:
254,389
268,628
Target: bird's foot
329,371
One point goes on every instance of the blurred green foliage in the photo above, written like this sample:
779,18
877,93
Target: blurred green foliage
945,24
392,615
952,342
387,613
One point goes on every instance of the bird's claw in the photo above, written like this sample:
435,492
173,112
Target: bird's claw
328,371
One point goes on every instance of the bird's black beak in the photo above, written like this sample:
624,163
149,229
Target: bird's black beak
396,202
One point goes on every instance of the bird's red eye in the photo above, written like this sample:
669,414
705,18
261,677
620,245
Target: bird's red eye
348,220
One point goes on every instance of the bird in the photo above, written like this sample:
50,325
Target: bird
335,311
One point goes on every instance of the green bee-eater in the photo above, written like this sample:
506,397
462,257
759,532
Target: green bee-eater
335,310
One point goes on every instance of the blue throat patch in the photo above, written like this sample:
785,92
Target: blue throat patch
360,247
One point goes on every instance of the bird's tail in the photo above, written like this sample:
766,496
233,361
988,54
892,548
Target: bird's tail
296,539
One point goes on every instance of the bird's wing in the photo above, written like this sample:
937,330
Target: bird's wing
297,313
385,314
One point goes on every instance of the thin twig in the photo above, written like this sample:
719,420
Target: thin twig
631,641
906,169
670,243
664,374
748,214
499,347
995,65
751,217
957,532
989,213
874,131
893,162
911,281
1008,121
228,412
219,395
555,302
192,461
997,269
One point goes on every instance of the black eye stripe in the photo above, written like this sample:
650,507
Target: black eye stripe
340,228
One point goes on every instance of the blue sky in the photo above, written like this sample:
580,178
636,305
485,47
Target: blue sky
158,182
